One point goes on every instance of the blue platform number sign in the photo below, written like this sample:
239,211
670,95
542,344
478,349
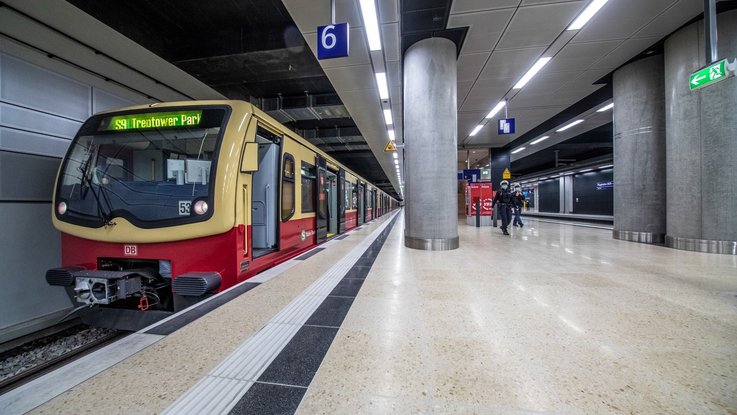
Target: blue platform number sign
332,41
506,126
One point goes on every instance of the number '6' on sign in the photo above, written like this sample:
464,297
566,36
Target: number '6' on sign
332,41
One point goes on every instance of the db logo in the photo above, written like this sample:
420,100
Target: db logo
130,250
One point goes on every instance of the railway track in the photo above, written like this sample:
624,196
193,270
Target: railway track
47,366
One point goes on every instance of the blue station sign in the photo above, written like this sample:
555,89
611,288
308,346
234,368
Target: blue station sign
332,41
506,126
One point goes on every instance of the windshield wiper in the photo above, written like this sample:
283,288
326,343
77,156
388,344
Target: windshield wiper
88,182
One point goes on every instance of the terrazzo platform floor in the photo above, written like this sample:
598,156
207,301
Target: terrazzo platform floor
554,319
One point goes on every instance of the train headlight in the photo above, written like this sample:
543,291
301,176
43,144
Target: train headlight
200,207
61,208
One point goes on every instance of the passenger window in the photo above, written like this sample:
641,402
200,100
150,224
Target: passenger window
309,180
287,188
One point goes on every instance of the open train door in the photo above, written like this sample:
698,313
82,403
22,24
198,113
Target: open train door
341,201
322,200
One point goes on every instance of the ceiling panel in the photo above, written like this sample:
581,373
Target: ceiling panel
579,56
621,19
469,65
465,6
317,13
624,52
510,63
676,16
388,11
539,25
353,78
390,41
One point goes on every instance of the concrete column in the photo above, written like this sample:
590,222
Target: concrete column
701,149
430,145
639,151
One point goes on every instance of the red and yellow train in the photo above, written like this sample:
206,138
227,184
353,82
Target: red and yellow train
162,205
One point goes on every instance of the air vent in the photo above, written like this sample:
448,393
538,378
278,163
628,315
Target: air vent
196,284
62,276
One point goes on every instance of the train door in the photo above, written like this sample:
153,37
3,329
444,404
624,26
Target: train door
342,200
264,191
323,191
332,204
361,205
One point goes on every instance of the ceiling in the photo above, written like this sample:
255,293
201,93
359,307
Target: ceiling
249,50
258,49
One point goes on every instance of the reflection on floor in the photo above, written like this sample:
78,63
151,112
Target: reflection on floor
554,319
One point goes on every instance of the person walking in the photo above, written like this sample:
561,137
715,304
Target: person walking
504,200
519,200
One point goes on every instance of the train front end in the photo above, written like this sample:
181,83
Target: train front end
147,221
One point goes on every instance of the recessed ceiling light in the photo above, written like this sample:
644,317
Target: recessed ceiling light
540,139
371,24
606,108
496,109
518,150
587,14
532,72
573,124
388,117
381,83
476,130
391,135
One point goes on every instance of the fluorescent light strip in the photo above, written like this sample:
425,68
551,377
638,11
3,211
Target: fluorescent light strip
381,83
573,124
395,155
540,140
496,109
607,166
518,150
388,117
587,14
371,24
396,162
476,130
532,72
391,135
606,108
585,170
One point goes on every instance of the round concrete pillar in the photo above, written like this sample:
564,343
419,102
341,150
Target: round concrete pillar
701,149
639,151
430,145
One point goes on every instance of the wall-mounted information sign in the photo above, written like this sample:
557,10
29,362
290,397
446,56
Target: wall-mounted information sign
151,120
332,41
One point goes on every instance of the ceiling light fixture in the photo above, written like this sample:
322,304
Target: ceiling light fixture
586,15
571,125
395,155
391,135
606,108
540,139
476,130
532,72
388,117
607,166
518,150
383,88
496,109
371,24
585,170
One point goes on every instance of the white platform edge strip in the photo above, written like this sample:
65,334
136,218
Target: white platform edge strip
47,387
41,390
251,358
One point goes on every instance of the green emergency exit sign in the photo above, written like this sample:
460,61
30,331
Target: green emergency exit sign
710,75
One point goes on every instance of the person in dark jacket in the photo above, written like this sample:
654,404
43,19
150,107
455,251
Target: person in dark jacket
519,199
504,200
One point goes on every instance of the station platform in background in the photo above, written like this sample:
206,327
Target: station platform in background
554,319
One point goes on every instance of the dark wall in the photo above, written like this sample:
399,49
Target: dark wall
549,196
593,193
499,163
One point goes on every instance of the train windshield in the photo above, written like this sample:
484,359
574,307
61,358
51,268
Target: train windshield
151,168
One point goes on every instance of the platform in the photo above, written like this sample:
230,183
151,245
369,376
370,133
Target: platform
554,319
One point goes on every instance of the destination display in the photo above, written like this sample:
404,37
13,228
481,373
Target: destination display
151,120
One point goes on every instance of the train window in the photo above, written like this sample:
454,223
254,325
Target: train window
287,188
309,179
